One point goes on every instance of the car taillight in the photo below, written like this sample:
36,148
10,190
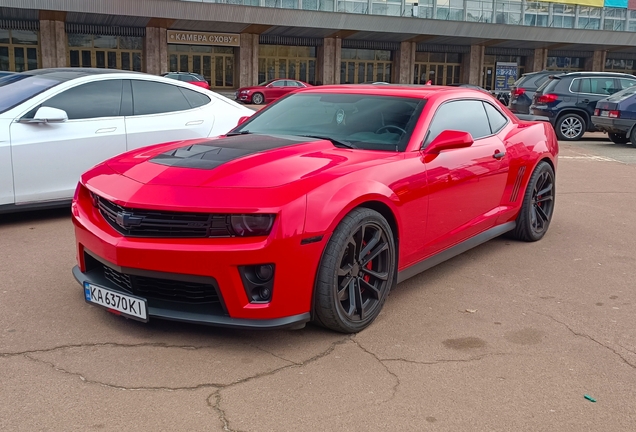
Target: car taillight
614,114
547,98
597,112
518,91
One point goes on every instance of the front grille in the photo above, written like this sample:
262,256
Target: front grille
155,288
156,223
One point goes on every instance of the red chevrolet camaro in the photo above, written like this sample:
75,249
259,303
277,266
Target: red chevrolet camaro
312,209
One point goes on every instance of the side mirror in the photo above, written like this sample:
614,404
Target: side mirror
49,115
242,120
449,139
269,86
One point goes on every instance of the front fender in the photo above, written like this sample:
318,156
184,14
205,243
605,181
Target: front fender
329,204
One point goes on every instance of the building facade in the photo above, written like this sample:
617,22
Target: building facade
235,43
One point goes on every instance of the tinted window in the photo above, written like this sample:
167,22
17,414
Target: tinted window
497,119
92,100
575,86
462,115
627,83
155,98
280,83
18,88
600,86
195,99
366,121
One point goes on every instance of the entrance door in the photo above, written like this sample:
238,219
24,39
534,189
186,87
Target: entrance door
216,68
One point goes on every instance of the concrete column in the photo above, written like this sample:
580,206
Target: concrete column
473,65
596,63
404,63
247,60
156,50
329,60
538,61
53,43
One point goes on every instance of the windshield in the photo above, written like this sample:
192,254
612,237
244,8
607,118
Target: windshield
264,83
18,88
363,121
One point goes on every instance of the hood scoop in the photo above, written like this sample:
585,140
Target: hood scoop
209,155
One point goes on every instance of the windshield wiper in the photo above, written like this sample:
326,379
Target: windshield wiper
334,141
243,132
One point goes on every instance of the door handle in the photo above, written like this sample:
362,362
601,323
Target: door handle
499,154
105,130
194,123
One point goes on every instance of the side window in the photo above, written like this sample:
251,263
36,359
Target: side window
497,119
280,83
156,98
576,85
627,83
602,86
92,100
194,98
586,86
463,115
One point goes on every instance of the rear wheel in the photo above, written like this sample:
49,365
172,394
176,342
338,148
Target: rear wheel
356,272
570,127
618,138
538,205
258,98
632,136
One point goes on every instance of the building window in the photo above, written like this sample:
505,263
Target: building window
282,61
566,64
450,10
19,50
439,68
104,51
619,65
536,14
589,18
365,65
478,11
508,12
563,16
614,19
215,63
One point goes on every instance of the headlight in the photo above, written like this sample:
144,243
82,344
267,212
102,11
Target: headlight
247,225
245,91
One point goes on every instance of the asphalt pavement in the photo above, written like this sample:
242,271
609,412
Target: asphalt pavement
509,336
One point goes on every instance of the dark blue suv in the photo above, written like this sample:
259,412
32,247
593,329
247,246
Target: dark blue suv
569,99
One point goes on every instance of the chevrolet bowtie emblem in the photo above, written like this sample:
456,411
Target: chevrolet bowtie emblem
127,220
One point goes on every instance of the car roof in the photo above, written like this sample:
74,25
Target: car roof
404,90
67,74
611,74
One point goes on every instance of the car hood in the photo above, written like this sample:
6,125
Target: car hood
243,161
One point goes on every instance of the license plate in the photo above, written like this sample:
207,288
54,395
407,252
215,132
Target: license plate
604,113
121,304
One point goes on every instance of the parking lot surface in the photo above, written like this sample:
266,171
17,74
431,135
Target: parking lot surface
509,336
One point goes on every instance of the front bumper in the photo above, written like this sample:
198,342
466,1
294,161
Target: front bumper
613,125
218,261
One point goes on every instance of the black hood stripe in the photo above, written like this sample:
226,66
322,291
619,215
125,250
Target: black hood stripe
211,154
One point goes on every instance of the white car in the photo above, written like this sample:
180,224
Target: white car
57,123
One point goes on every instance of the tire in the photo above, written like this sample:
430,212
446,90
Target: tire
632,136
618,138
570,127
349,293
258,98
538,205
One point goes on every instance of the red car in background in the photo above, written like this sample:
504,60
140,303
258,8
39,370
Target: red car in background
313,209
189,77
268,91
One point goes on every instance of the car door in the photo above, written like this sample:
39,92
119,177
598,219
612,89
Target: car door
163,112
48,158
466,184
594,89
277,89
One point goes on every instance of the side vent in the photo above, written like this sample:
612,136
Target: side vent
515,188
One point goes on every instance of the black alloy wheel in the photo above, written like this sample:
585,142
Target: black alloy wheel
258,98
538,205
356,272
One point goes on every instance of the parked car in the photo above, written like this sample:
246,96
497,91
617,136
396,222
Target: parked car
268,91
312,209
57,123
522,91
616,115
569,100
470,86
189,77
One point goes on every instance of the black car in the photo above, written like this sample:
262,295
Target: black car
523,89
616,115
569,100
